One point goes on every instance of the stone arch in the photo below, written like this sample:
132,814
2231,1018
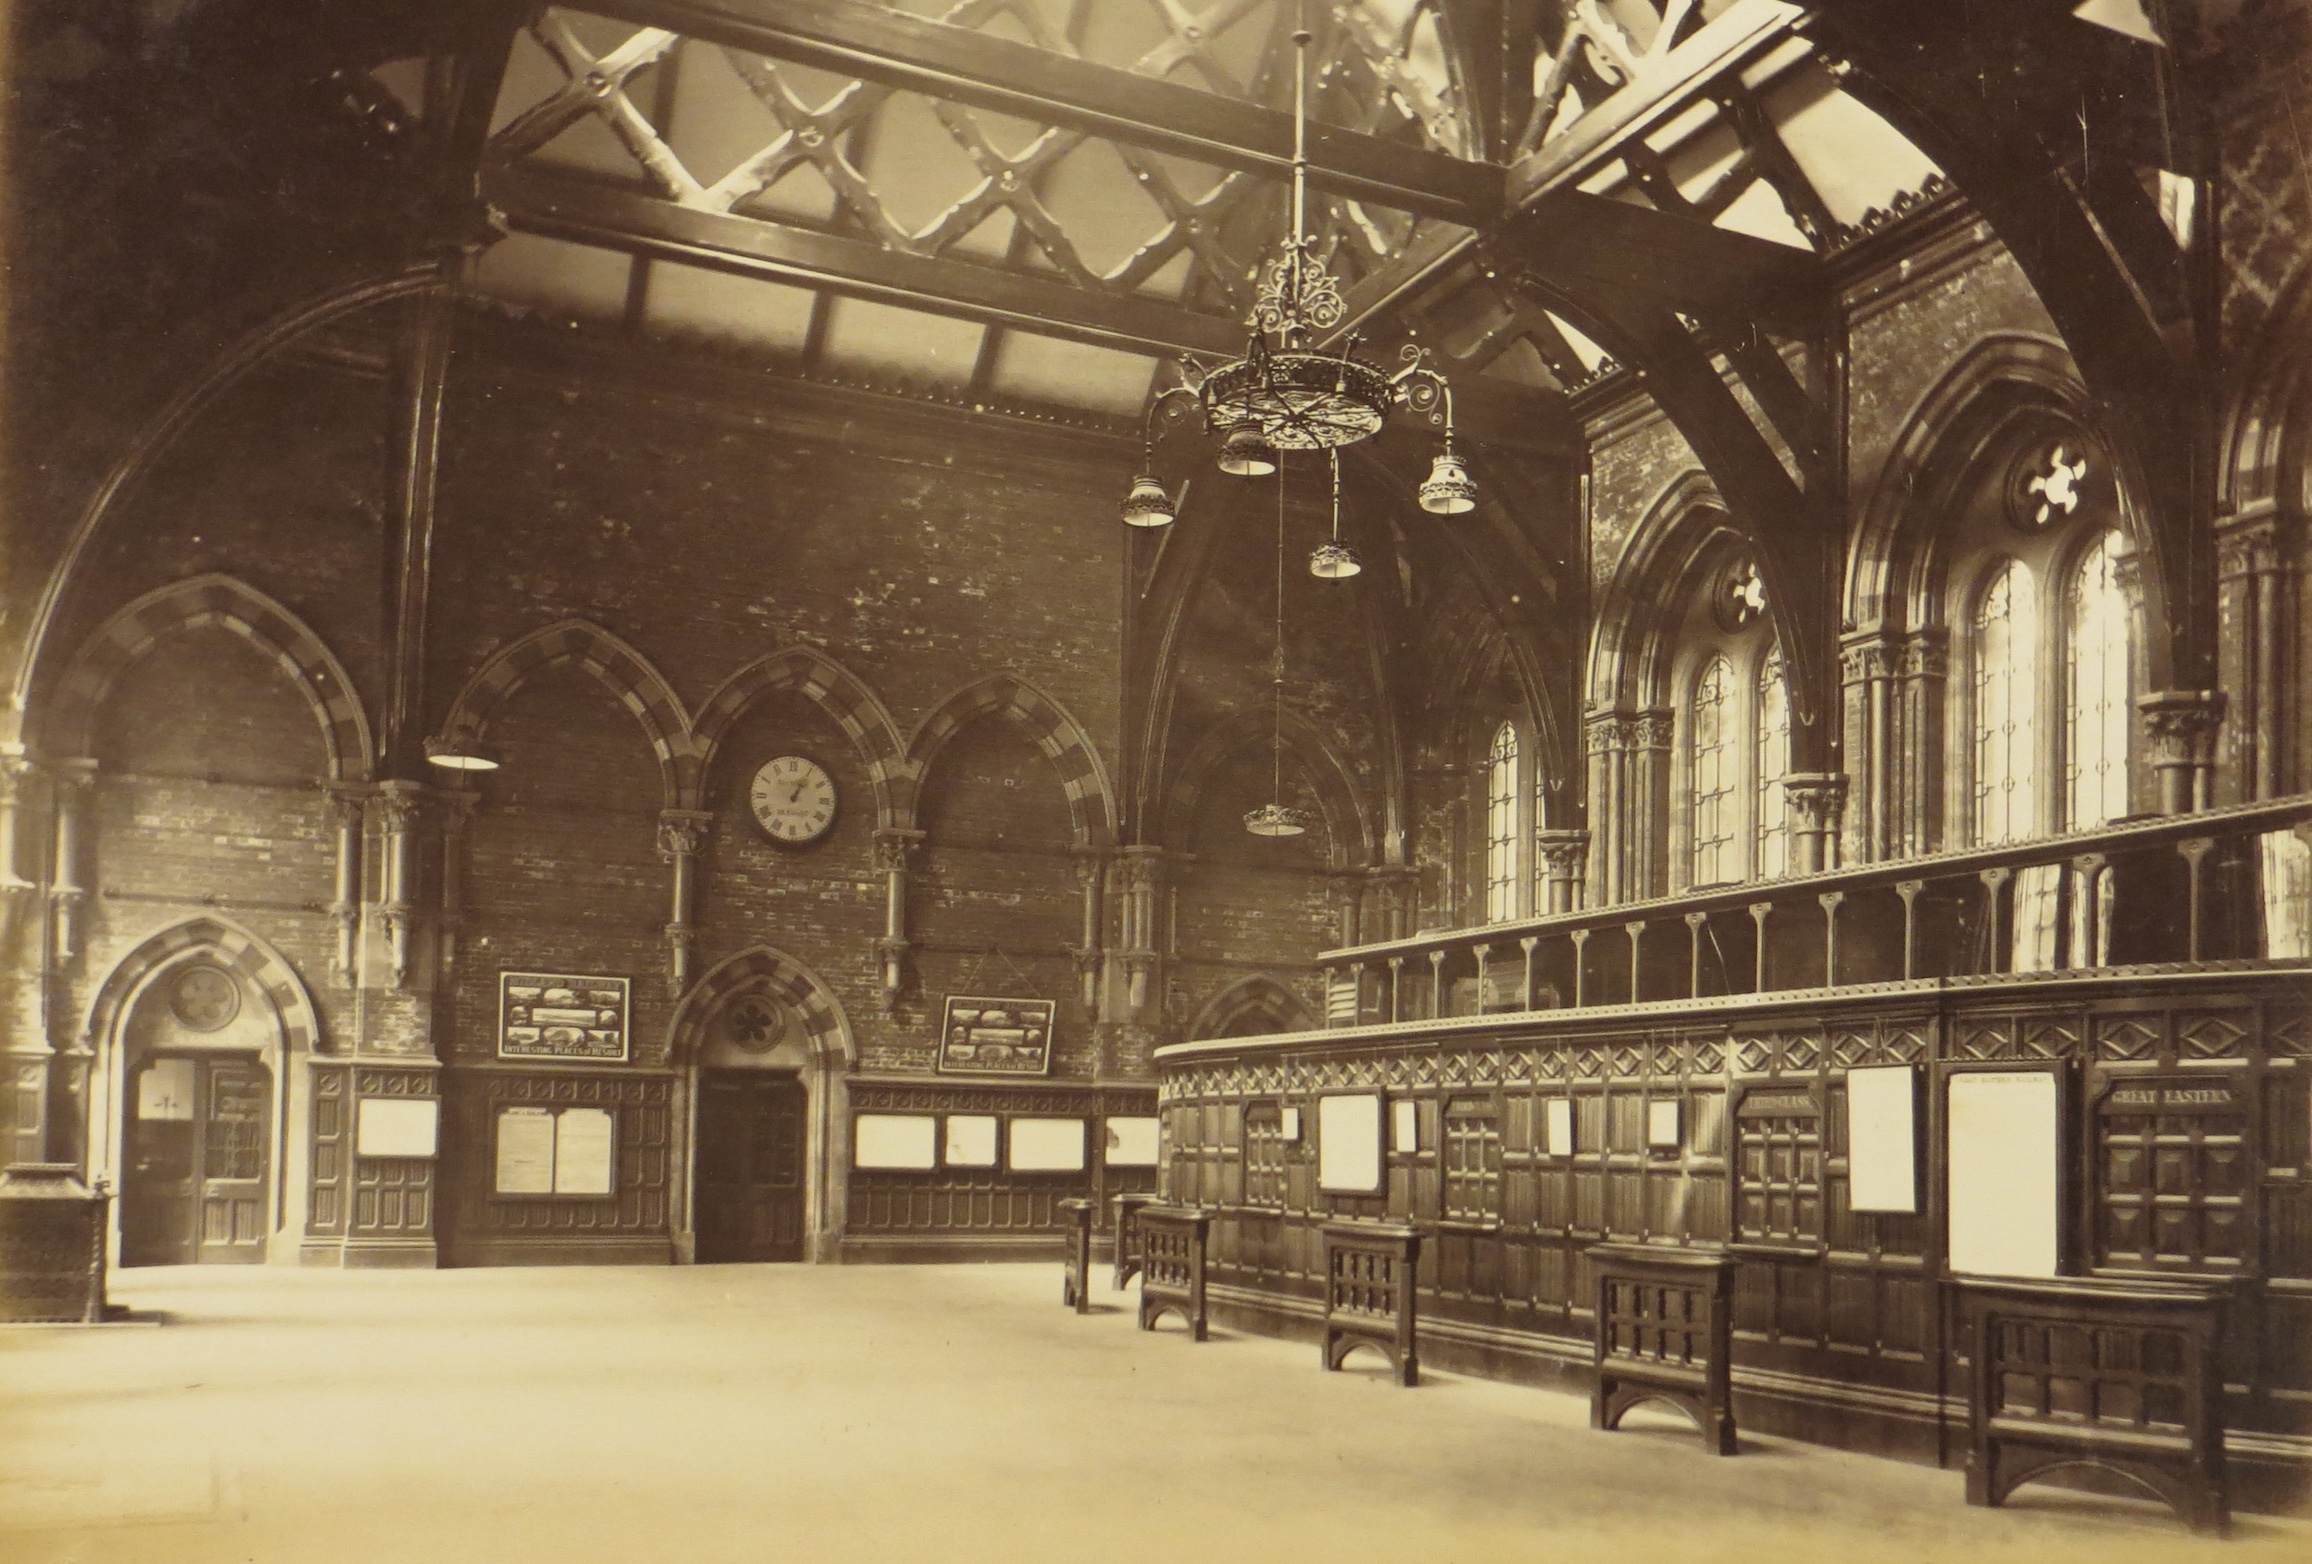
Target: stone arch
1630,649
1348,824
246,953
1894,571
826,1029
200,602
1045,723
1258,997
846,698
2266,461
618,667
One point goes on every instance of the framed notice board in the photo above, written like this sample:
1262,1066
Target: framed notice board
979,1035
556,1015
2005,1142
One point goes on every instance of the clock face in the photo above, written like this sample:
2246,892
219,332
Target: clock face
793,799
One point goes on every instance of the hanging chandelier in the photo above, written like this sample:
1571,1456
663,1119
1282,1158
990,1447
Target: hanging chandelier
1284,395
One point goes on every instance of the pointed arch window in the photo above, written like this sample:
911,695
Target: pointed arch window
1715,766
2096,681
1773,764
2003,637
1501,833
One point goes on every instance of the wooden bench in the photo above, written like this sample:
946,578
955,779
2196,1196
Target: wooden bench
1665,1325
1370,1272
1128,1209
1172,1265
1076,1280
2123,1374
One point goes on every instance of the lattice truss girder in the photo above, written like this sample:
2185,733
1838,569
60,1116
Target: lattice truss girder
1378,71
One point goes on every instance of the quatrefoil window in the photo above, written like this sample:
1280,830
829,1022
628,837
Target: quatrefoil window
2050,490
754,1023
204,998
1740,600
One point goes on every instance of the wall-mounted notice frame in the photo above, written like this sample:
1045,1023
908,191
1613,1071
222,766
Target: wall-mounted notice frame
987,1036
554,1015
1404,1125
1662,1124
1882,1139
398,1127
1557,1127
1291,1124
1131,1143
2005,1132
908,1141
544,1151
970,1140
1047,1145
1349,1144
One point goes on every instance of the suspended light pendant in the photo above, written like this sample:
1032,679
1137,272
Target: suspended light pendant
1447,490
1290,396
462,753
1273,818
1335,560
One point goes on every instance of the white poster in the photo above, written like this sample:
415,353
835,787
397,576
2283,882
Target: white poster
1047,1145
1557,1127
525,1151
1349,1145
1131,1143
582,1152
398,1127
971,1140
1882,1139
2004,1191
1404,1126
894,1140
1662,1124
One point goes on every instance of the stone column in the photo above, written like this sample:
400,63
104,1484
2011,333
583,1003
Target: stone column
1564,853
1091,883
16,891
1143,874
2258,585
1867,663
457,812
1629,804
1914,755
398,806
346,805
72,781
1397,887
1816,801
682,834
2182,726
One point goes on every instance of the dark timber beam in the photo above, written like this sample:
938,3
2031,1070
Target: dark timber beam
963,65
1684,262
572,207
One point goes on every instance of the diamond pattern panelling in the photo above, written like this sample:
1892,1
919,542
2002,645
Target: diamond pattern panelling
1800,1053
2291,1035
1850,1048
2049,1039
2126,1038
1753,1054
2211,1037
1988,1040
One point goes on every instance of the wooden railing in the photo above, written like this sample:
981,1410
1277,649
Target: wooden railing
2118,1373
1370,1274
1172,1246
1665,1333
2178,889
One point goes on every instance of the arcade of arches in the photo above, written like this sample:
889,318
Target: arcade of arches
1881,643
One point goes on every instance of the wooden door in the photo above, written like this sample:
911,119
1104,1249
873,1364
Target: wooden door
195,1187
750,1166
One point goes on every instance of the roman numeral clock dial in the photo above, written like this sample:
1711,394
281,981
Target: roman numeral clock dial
793,799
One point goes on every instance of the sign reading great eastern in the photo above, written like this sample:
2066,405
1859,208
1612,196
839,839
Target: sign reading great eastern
2171,1094
553,1015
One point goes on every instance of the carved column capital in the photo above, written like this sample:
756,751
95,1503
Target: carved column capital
2249,545
2181,727
683,832
1819,801
1868,654
895,848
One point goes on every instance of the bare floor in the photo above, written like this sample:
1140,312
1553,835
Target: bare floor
952,1413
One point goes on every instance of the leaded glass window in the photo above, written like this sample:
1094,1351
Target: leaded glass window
2095,694
1716,775
2004,667
1501,855
1773,763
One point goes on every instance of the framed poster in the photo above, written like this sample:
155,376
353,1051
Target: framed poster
1882,1138
1047,1145
970,1140
2005,1134
1131,1142
983,1036
907,1141
1349,1145
1557,1126
398,1127
554,1015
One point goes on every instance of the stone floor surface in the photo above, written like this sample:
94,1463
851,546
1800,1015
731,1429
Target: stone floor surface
951,1414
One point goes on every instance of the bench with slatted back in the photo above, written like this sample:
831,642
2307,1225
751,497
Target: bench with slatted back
1172,1265
1665,1333
2121,1373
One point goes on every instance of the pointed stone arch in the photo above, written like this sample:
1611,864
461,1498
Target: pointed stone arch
846,698
826,1029
1045,723
1254,999
1684,527
69,715
2267,433
1348,823
618,667
230,944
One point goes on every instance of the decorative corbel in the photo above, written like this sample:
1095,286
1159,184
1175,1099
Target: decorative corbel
681,835
72,780
894,852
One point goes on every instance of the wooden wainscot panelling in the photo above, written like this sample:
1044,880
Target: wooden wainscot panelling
976,1198
2183,1134
389,1220
331,1186
558,1167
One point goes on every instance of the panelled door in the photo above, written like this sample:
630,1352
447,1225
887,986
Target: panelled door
196,1185
750,1166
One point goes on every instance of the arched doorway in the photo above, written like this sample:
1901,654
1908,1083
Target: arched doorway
199,1149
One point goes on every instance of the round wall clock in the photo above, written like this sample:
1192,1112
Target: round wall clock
793,799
